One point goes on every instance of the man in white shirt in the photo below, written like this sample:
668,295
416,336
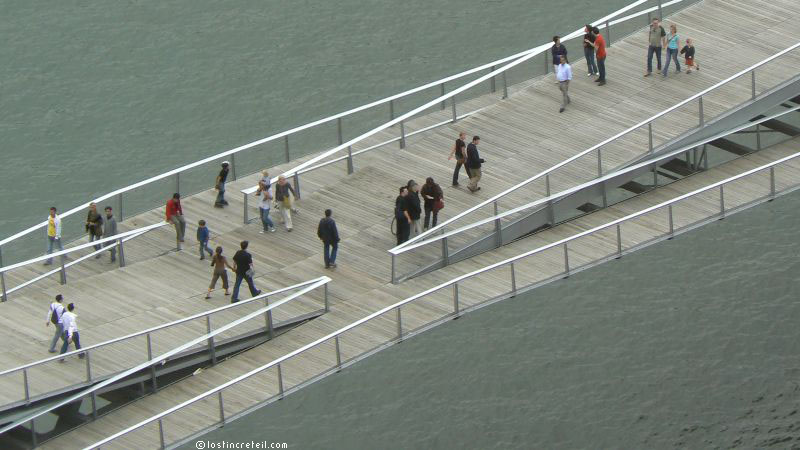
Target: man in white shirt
564,75
53,233
70,324
55,316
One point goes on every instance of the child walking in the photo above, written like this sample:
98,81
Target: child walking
202,237
688,52
219,263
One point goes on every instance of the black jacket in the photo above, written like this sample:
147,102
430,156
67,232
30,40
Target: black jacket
474,160
557,51
327,231
412,205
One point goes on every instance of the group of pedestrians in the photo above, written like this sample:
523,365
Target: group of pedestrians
659,39
65,324
467,155
97,226
410,204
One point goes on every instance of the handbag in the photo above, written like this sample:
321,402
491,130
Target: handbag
250,273
438,204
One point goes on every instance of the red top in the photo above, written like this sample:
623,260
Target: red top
600,46
173,208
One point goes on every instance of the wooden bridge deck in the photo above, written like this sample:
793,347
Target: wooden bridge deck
524,132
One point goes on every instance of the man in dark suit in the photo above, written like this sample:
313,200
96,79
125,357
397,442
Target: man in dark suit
474,162
329,236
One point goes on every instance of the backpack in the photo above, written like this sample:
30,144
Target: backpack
53,315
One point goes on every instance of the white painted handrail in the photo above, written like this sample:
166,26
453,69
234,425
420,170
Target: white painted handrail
163,357
454,281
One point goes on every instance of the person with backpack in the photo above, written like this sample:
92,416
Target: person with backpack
55,316
655,42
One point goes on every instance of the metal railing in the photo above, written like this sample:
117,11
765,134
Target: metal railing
55,384
453,297
495,221
593,156
206,338
115,241
320,161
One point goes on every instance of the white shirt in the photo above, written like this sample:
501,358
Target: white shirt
59,309
563,72
70,323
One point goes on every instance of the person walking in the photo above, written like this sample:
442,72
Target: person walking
432,196
655,42
219,185
413,207
557,51
564,76
459,151
110,229
219,263
55,315
284,197
264,195
588,51
688,52
401,216
53,234
71,334
203,235
329,235
94,225
599,45
474,163
243,267
673,44
175,217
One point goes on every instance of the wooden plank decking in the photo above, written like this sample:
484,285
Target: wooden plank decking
520,137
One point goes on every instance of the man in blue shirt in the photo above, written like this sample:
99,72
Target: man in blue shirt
564,75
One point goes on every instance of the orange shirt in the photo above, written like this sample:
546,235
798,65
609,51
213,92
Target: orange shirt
600,46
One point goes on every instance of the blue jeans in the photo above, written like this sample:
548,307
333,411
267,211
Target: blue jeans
76,338
653,50
59,333
588,53
93,237
265,220
601,69
672,53
204,246
220,195
250,284
53,242
330,253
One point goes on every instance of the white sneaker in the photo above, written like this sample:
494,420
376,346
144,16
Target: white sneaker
261,232
272,230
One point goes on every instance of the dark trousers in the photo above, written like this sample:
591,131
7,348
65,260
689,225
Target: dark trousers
653,50
94,237
238,283
403,230
330,253
455,172
601,67
588,52
428,210
76,338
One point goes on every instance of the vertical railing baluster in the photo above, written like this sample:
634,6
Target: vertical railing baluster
3,277
325,289
119,207
753,83
33,434
338,354
492,87
619,240
445,252
444,102
399,325
394,273
221,408
233,166
26,386
498,237
161,433
286,147
349,159
772,181
456,308
650,136
297,185
245,217
551,215
700,112
505,85
212,349
599,163
546,62
660,14
453,106
63,271
671,223
121,252
402,135
513,280
88,366
339,130
391,109
280,381
152,366
608,35
268,319
722,201
566,260
178,182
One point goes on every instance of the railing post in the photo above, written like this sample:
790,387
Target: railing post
233,166
3,277
455,299
492,87
402,135
444,102
660,14
245,217
26,386
702,120
297,185
505,86
772,181
33,434
599,163
221,408
445,252
349,159
498,236
212,349
608,35
566,260
88,366
551,216
394,276
63,271
453,106
178,182
339,130
671,223
338,354
94,404
650,136
753,83
391,109
325,289
513,281
268,319
722,201
119,207
152,366
286,147
619,240
649,18
161,433
399,325
546,62
121,253
280,381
